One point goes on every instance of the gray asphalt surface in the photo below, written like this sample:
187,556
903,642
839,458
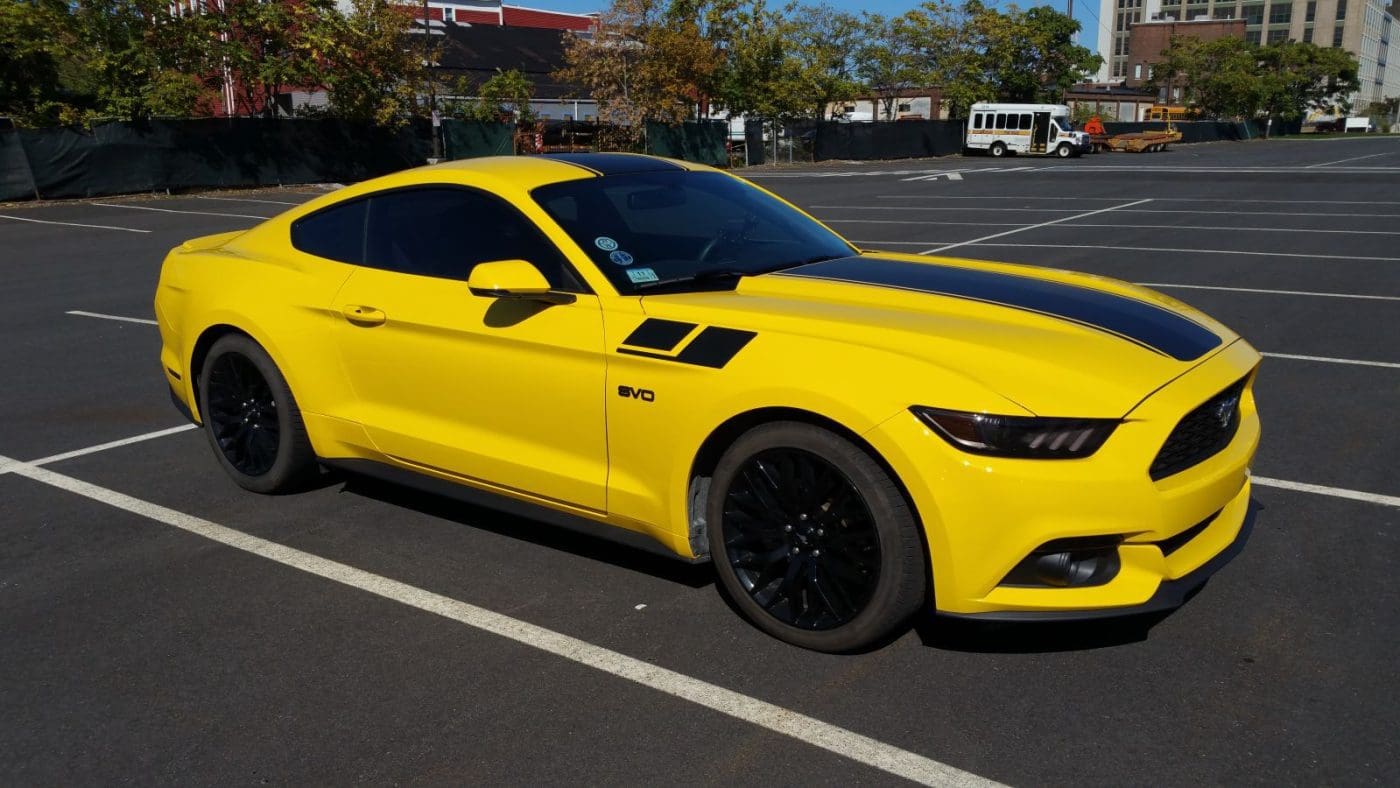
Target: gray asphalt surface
134,652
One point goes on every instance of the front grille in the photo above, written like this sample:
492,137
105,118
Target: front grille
1200,434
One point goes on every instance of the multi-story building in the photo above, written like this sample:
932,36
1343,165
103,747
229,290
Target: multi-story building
1366,28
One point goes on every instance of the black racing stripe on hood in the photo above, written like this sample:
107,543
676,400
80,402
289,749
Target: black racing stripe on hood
1139,321
615,163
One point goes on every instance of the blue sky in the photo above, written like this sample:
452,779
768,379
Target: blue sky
1084,10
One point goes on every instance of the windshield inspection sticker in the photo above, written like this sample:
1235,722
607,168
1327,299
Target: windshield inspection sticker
639,275
605,243
622,258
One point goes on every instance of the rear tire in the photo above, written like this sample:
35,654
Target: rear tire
997,150
812,539
252,420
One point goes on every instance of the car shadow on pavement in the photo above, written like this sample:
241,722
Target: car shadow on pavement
537,532
951,634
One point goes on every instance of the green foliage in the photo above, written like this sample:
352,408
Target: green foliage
888,59
506,95
371,74
31,89
822,46
1231,78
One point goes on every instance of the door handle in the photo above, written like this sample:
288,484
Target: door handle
363,315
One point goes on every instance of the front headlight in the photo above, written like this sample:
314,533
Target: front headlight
1018,436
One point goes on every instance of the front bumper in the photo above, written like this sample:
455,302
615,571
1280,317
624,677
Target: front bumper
983,516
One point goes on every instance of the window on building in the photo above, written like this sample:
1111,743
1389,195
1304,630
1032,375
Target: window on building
1307,35
1312,10
1337,36
1224,13
903,108
1254,15
1276,36
1252,37
1280,13
449,15
1137,71
1341,10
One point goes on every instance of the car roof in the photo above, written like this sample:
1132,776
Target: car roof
532,171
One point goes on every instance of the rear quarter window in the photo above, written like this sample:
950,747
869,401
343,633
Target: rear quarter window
336,233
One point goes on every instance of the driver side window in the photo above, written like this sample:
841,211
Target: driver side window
445,232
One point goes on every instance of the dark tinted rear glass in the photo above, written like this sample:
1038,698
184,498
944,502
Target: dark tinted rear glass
336,233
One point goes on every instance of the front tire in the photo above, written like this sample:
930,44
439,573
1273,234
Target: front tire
1064,151
812,539
252,420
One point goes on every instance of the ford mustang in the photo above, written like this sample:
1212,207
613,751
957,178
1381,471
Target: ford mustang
671,354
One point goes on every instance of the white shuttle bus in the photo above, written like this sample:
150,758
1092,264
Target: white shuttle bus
1040,129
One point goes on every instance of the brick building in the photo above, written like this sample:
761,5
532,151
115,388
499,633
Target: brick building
1146,40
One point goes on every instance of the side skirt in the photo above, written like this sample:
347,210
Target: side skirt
501,503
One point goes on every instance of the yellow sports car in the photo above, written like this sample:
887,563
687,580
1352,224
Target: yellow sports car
673,352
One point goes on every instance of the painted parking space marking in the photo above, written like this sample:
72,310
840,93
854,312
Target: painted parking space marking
1072,210
1334,492
1329,360
1353,158
119,318
922,196
1005,233
246,199
172,210
1362,296
834,220
116,444
1175,250
71,224
809,730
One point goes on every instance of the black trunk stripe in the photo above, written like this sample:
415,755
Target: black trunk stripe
1140,322
659,334
615,163
713,348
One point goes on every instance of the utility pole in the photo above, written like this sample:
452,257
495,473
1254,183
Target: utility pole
431,96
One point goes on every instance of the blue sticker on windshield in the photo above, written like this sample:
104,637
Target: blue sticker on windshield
605,243
622,258
639,275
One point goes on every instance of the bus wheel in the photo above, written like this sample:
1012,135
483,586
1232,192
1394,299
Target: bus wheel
1064,151
997,150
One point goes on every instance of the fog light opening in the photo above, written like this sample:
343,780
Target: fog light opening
1068,563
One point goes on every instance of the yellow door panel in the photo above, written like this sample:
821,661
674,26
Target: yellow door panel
506,391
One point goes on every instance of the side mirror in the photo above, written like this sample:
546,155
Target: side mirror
513,279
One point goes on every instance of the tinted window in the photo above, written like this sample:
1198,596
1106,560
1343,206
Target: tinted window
1001,120
336,233
646,228
1025,122
977,121
445,232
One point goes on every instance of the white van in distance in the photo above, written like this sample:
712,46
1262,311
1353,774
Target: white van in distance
1039,129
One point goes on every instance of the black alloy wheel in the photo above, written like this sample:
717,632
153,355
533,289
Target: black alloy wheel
242,414
252,420
801,539
812,539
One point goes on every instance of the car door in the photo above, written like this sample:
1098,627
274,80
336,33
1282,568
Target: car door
506,392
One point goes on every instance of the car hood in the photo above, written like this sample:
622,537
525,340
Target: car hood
1054,342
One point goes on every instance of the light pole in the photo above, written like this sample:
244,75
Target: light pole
431,97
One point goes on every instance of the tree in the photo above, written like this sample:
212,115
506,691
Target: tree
269,46
31,90
1298,76
821,46
1219,77
887,61
371,72
645,62
505,94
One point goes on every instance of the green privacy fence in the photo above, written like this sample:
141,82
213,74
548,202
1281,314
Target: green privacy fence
157,155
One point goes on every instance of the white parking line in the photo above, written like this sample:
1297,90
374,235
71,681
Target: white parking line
946,247
100,316
842,742
1328,360
1174,249
172,210
245,199
1120,226
924,196
1272,292
1335,492
1353,158
68,455
1071,210
71,224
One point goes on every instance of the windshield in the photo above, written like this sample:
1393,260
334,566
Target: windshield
1064,124
679,231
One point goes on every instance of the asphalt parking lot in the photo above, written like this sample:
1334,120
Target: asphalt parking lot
157,624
